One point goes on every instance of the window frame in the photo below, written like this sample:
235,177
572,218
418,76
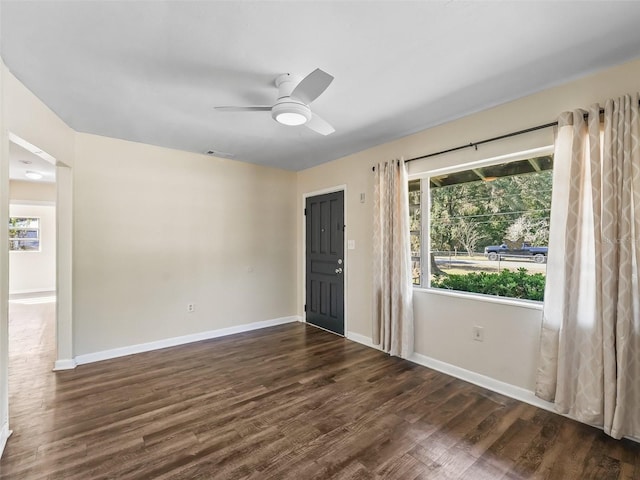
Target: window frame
425,222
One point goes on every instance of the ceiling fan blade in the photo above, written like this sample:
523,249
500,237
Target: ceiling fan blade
253,108
311,86
319,125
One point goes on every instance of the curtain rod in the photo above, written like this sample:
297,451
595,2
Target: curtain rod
493,139
481,142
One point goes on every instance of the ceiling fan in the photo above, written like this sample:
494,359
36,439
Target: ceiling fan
292,105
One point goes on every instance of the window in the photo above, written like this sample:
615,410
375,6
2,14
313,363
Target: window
488,229
24,234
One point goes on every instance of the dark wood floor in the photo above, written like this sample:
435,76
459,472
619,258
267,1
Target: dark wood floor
290,402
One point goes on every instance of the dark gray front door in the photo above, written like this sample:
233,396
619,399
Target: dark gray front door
325,261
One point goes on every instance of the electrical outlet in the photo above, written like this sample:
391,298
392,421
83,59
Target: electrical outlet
191,307
478,333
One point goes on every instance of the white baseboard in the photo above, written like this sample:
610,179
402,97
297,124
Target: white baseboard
506,389
64,364
172,342
45,291
483,381
32,300
5,433
363,339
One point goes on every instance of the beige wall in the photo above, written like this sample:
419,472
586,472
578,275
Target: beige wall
35,271
443,323
156,229
37,192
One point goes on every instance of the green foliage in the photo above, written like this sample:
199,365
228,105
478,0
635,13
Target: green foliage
519,284
488,209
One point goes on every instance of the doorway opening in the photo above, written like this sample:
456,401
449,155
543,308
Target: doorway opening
32,267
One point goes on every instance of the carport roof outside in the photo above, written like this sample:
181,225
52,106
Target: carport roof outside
490,173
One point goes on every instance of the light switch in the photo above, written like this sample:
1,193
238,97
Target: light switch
351,244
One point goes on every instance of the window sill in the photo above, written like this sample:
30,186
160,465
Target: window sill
516,302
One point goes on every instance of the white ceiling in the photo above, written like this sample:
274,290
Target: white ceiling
152,71
22,160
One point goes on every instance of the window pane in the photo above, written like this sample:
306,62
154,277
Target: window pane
24,245
24,222
415,226
489,229
23,233
415,258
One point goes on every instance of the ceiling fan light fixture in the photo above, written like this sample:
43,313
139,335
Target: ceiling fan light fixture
33,175
291,113
291,118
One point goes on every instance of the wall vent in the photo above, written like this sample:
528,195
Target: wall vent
218,153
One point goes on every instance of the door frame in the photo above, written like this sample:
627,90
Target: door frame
303,255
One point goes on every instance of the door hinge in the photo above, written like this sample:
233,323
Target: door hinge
305,307
305,212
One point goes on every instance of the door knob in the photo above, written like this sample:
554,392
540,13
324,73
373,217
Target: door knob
338,270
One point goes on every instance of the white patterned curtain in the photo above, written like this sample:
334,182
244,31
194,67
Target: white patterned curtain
590,344
392,287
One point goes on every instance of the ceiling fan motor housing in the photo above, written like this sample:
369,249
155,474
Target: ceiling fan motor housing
285,84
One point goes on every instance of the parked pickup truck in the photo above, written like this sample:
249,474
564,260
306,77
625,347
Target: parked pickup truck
538,254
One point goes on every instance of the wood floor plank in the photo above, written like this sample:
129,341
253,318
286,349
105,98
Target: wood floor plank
288,402
529,462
